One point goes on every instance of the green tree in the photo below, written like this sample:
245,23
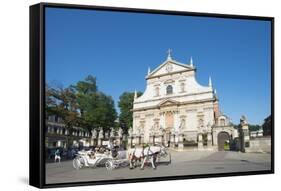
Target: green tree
86,92
254,127
50,101
81,105
62,103
126,101
96,108
267,126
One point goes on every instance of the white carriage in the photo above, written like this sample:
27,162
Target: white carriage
111,159
114,158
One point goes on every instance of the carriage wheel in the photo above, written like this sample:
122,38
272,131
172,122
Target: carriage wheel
170,158
167,158
109,165
77,164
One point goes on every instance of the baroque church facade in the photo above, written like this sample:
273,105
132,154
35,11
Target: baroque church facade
175,110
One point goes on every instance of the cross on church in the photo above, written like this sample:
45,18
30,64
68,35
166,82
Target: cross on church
169,53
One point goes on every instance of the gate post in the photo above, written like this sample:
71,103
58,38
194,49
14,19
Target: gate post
244,134
200,141
180,141
209,139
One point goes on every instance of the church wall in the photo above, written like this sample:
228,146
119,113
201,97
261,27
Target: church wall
192,90
191,103
191,122
149,124
191,113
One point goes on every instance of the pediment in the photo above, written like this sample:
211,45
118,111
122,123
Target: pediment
168,67
168,102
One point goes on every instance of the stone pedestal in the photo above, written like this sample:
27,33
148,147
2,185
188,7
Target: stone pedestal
133,140
180,142
120,140
100,137
244,135
200,141
92,142
136,140
244,138
151,139
130,141
160,139
141,140
99,142
172,143
117,140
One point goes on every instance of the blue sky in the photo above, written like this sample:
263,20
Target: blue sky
118,48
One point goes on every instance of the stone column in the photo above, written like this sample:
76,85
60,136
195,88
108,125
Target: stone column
176,138
215,138
160,138
136,140
209,139
200,141
176,120
100,137
180,142
141,139
112,134
94,136
172,144
162,120
244,134
130,142
120,135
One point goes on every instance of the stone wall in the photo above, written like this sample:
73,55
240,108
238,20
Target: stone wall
260,144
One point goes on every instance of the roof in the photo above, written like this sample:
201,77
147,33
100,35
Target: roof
181,67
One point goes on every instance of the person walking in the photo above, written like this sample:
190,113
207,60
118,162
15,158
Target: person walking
57,155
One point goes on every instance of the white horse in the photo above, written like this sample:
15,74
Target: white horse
146,154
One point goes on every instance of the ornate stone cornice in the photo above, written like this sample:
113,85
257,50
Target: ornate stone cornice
177,96
180,104
170,73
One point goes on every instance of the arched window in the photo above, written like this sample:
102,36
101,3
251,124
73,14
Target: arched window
182,87
201,122
169,89
182,125
157,91
222,122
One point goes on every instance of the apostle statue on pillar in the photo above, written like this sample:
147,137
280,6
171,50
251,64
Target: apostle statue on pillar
120,132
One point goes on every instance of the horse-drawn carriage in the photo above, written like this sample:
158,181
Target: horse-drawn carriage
153,155
110,158
114,158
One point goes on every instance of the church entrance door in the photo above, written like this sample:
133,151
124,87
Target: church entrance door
169,122
223,141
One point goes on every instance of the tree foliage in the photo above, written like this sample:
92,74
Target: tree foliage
81,105
254,127
126,101
62,102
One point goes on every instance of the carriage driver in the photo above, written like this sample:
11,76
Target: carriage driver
91,153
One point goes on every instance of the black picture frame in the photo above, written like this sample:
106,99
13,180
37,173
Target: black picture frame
37,93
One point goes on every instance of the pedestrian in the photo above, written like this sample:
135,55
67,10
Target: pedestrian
57,155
